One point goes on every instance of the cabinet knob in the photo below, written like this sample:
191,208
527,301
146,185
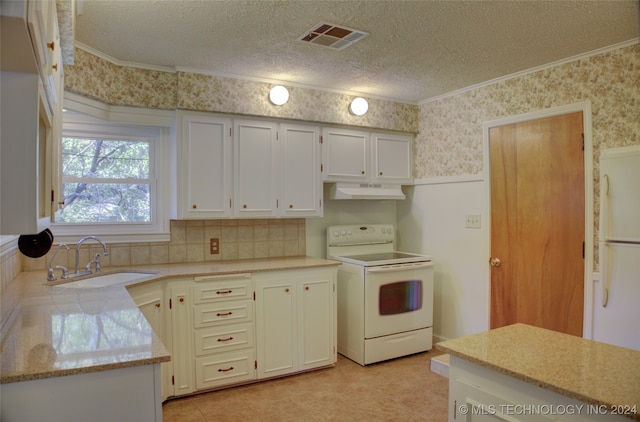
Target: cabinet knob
55,66
194,206
181,299
286,290
290,205
51,45
362,172
157,305
380,173
306,287
244,206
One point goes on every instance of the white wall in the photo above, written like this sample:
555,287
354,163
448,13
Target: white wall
432,221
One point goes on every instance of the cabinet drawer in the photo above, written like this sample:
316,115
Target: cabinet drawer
222,313
223,339
224,369
218,288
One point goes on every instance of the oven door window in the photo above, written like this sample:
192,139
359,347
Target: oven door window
400,297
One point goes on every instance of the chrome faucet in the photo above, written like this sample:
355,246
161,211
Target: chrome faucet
65,272
96,261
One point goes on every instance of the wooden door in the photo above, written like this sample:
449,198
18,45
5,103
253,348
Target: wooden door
537,223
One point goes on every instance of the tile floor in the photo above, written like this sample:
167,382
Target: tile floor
402,389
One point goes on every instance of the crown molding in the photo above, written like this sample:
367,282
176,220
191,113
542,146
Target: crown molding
533,70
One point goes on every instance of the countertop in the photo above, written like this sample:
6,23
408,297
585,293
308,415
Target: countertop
589,371
48,331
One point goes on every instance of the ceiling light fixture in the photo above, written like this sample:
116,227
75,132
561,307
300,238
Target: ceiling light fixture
359,106
278,95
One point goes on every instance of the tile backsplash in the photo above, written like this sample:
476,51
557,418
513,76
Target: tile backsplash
190,243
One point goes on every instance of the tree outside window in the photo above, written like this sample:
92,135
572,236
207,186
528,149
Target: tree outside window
106,180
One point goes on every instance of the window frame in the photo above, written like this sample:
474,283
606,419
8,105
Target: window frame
86,117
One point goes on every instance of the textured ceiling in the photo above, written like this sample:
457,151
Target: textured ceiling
415,50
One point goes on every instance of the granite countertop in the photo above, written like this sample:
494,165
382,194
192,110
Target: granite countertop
585,370
48,331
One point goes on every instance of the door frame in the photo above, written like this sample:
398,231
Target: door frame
585,108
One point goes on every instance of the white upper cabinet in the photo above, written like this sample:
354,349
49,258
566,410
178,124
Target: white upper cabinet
371,157
300,180
31,115
204,161
247,168
256,164
391,158
345,155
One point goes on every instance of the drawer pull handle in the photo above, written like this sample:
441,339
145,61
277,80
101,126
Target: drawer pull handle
224,292
224,314
225,339
226,370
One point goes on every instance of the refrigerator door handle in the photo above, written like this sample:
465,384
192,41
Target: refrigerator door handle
606,278
604,233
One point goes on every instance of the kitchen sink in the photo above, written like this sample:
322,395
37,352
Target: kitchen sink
96,281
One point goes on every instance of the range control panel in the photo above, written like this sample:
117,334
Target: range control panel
354,234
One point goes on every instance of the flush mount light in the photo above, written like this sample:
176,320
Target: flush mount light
359,106
278,95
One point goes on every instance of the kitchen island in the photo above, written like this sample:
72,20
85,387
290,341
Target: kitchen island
520,372
68,349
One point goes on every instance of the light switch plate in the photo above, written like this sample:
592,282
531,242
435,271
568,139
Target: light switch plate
472,221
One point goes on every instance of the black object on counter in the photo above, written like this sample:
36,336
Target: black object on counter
36,245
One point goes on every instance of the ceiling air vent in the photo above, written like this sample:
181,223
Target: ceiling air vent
332,36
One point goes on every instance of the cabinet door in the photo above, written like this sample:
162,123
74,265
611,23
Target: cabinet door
345,154
256,164
150,300
300,178
316,321
276,328
181,341
204,167
26,133
392,158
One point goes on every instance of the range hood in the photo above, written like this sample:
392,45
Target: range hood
365,191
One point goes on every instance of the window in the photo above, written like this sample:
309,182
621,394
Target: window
106,179
114,178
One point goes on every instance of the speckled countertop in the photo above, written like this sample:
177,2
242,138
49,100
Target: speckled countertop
589,371
49,331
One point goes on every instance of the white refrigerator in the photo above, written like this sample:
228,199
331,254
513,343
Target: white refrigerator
616,316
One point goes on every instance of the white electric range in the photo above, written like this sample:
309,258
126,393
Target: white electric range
385,297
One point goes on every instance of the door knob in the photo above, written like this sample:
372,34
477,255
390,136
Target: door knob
495,262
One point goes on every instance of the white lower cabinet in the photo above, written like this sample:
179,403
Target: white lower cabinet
224,369
151,302
123,394
180,319
237,328
477,393
295,320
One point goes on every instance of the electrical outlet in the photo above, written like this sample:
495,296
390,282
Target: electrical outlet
472,221
214,246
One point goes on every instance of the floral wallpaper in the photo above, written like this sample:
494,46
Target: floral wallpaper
450,139
449,142
100,79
